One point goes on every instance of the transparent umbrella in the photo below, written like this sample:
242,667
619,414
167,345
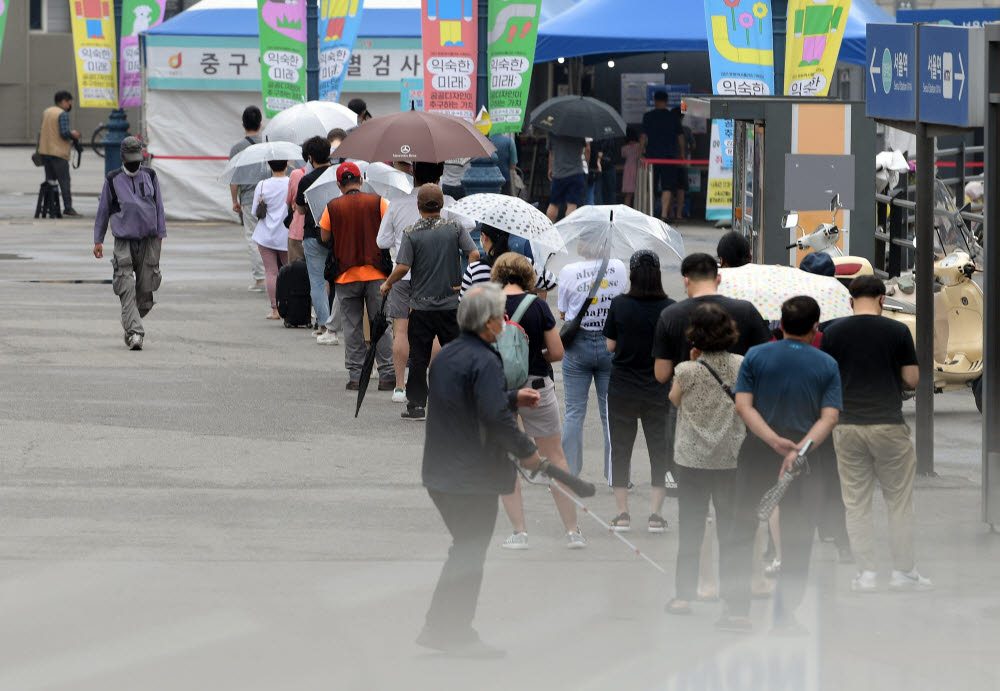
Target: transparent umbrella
616,232
325,189
310,119
386,181
249,166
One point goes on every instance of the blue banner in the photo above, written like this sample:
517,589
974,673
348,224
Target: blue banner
339,22
741,54
411,94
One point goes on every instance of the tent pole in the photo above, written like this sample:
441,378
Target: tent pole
312,50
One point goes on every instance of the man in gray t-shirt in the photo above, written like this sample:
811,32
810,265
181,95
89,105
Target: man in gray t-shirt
243,195
430,251
566,173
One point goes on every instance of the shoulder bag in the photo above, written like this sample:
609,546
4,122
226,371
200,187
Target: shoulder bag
572,328
724,385
36,157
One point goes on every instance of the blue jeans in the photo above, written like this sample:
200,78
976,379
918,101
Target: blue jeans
316,262
587,359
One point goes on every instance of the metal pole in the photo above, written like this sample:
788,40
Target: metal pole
925,300
991,284
312,50
117,125
779,21
960,194
483,176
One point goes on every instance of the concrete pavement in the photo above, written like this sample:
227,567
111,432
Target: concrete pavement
207,514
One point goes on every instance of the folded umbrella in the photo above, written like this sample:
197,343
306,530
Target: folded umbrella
578,116
310,119
379,325
249,166
415,136
767,287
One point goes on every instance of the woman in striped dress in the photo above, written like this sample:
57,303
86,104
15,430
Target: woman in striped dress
495,243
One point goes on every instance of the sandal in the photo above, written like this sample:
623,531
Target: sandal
657,523
677,606
622,523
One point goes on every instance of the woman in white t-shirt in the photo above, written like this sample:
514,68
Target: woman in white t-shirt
587,359
271,235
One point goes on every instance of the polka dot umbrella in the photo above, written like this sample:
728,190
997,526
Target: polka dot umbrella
509,214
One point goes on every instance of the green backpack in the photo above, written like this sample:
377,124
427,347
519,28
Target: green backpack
513,347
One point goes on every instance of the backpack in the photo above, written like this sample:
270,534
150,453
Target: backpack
513,347
115,206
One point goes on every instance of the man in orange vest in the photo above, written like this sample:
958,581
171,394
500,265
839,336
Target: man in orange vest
55,143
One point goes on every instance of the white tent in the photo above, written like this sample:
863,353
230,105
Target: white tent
201,69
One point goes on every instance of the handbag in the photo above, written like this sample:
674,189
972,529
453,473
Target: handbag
570,329
36,157
289,216
261,211
724,385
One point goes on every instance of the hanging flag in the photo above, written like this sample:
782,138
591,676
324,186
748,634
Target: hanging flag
815,32
3,21
339,22
94,47
449,30
513,31
282,54
137,16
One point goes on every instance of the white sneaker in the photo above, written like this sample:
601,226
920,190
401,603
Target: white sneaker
912,581
398,395
516,541
319,331
864,582
575,539
135,342
329,338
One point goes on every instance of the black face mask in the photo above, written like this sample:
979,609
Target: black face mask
69,107
132,166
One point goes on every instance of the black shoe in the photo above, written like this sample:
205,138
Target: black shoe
387,385
414,413
471,648
353,386
72,213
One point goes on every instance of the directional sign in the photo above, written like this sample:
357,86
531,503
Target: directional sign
976,16
891,64
951,87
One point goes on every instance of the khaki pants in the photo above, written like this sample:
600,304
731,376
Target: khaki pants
136,265
885,452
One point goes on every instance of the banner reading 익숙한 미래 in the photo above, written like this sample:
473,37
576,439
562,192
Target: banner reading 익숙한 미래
94,48
815,32
282,54
339,22
137,16
449,30
512,34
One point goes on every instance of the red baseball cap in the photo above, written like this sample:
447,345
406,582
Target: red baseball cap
348,171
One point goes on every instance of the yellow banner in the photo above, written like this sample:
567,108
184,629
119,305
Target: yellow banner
815,31
94,48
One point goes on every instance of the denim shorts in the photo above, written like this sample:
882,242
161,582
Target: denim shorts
568,190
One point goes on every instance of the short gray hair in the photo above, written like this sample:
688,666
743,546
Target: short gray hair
480,304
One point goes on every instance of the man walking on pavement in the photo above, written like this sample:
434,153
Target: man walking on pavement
132,203
430,251
55,144
352,222
243,195
877,360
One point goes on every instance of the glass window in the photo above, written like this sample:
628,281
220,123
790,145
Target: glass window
35,15
57,17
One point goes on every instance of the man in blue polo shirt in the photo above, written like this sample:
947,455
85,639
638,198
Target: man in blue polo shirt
788,393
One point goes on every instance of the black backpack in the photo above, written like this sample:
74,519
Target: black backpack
292,294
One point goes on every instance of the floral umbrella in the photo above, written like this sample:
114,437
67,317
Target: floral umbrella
767,287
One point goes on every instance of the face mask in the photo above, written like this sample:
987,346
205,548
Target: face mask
131,168
69,107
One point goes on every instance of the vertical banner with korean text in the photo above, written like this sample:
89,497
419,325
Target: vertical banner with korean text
815,32
137,16
94,47
282,54
339,22
449,30
3,21
513,32
741,56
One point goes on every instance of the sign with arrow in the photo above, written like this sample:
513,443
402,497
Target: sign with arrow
891,63
951,88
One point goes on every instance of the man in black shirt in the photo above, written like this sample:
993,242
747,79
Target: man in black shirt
876,359
317,149
663,138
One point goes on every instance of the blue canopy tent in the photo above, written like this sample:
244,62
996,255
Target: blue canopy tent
616,27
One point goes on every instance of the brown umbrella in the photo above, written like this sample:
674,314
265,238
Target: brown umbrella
415,136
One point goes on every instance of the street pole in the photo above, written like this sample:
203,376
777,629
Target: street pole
483,176
312,50
117,125
991,285
779,23
925,300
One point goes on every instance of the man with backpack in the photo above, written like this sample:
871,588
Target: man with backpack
133,206
430,251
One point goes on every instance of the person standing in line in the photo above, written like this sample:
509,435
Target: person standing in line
496,243
317,150
472,433
432,249
352,221
587,359
631,153
788,393
451,177
567,158
132,204
663,138
506,159
55,144
707,442
542,423
297,226
271,235
877,360
335,136
633,392
733,250
359,108
243,194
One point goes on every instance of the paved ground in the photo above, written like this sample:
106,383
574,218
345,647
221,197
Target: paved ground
207,514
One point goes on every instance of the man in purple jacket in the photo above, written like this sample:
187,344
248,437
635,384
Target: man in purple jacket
132,203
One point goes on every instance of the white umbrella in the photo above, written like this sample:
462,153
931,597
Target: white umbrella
386,181
311,119
594,232
249,166
511,215
325,189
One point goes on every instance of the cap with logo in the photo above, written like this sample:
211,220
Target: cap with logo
346,172
131,150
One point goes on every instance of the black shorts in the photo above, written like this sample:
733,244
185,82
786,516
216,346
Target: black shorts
568,190
668,178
